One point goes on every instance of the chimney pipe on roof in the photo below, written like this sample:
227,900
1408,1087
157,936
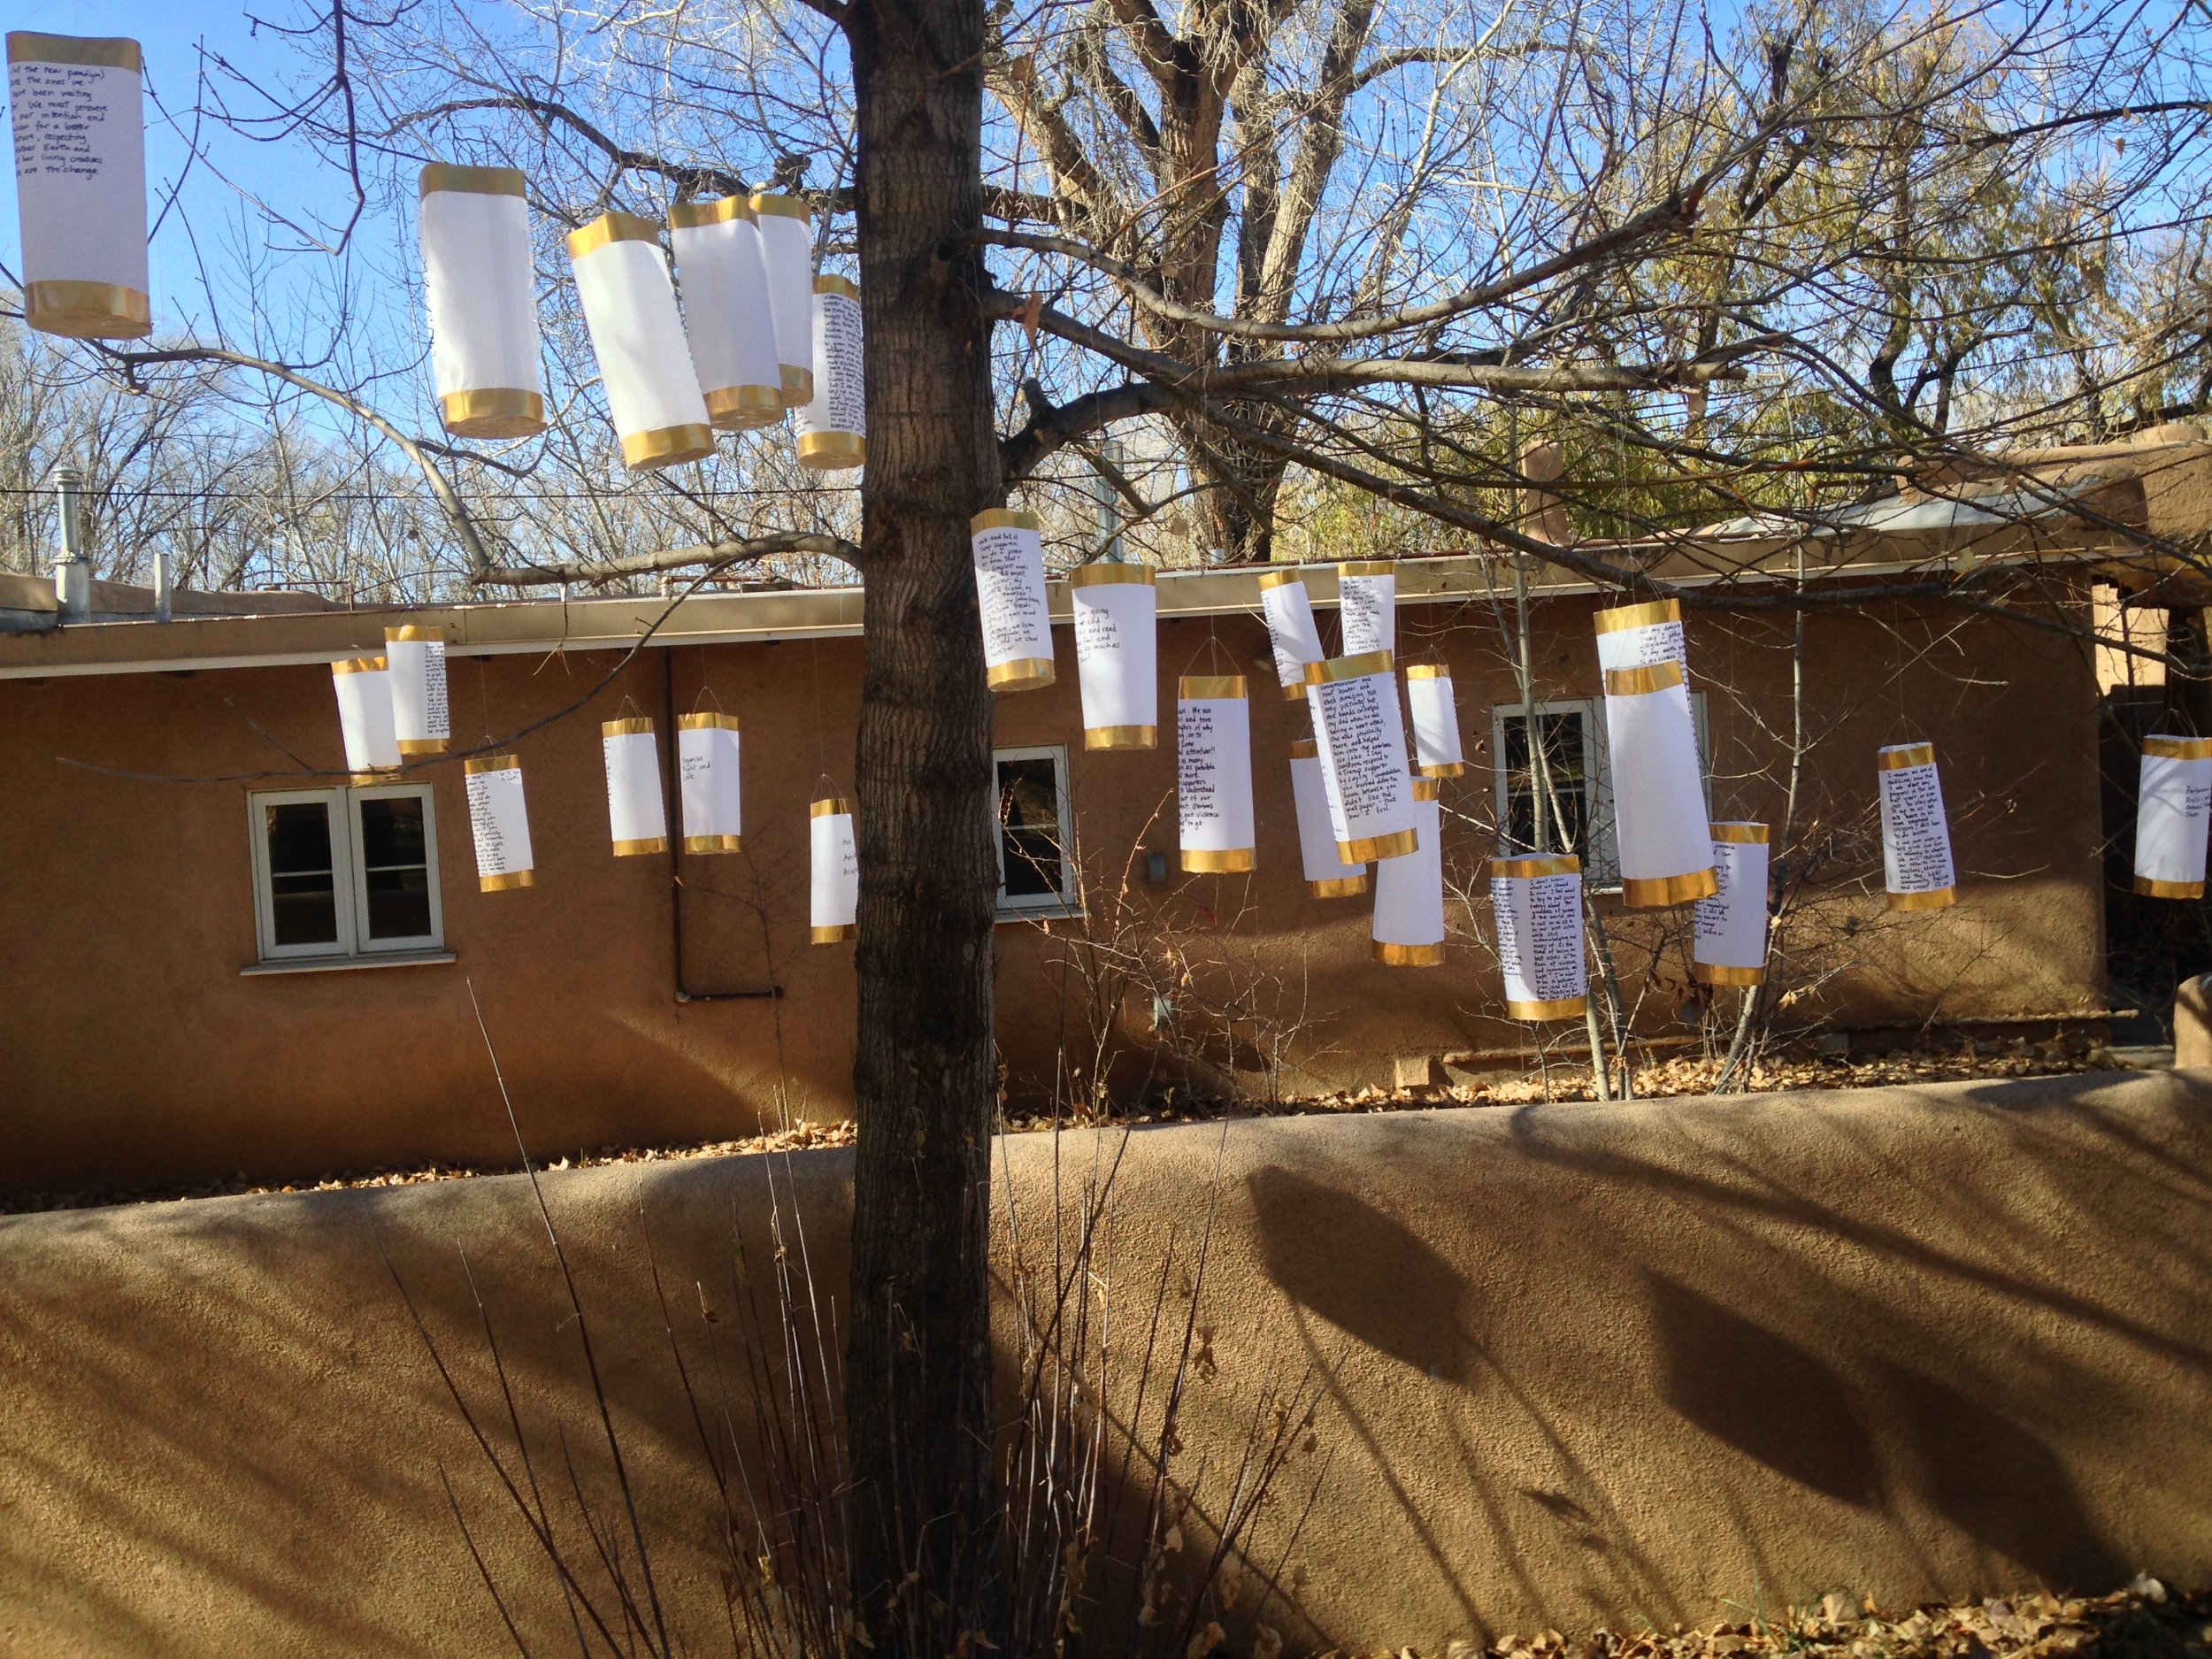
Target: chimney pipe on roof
73,572
164,587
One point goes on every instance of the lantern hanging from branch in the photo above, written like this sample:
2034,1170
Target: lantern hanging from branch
421,718
1917,868
2173,806
786,256
1009,591
707,780
479,282
835,909
1362,740
1643,635
1288,608
636,813
728,316
1115,609
1730,943
1658,791
1213,772
1367,605
1537,902
1436,747
644,361
365,717
81,184
833,427
1327,876
500,822
1409,926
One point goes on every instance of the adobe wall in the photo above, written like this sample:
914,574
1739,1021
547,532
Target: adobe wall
139,1055
1578,1365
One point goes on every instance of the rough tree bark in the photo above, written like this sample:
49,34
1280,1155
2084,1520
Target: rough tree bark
917,1363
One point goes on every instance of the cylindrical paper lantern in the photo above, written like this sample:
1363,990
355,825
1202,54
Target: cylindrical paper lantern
1916,835
2173,803
707,779
480,281
420,718
1731,946
1537,902
1640,635
81,184
1367,605
365,717
1288,608
644,361
787,253
1436,749
636,814
1409,928
1327,876
833,427
1009,591
1117,654
1213,772
1362,741
500,821
727,317
836,906
1658,793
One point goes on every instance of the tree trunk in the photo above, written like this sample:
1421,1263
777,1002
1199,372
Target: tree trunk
918,1361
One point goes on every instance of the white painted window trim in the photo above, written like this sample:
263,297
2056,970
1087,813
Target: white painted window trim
350,883
1068,901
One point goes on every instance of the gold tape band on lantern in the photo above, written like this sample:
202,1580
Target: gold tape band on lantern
610,228
1427,670
508,882
1620,619
1211,687
491,763
1742,834
1447,769
1710,973
834,935
451,175
1358,667
493,412
1304,749
666,446
424,745
371,779
1282,578
1410,956
1367,567
1003,518
781,206
639,849
720,211
2151,887
1024,673
1898,756
798,385
2164,747
1564,1008
1111,574
1341,887
1657,893
1295,692
712,844
26,46
413,631
1529,866
634,726
1199,862
828,451
1935,899
1121,737
87,310
1393,846
845,285
831,806
1425,788
1641,681
360,665
710,721
744,408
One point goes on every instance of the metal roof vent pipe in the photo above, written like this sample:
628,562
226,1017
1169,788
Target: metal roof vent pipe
73,571
164,587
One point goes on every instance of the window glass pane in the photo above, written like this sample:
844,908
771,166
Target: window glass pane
392,833
394,863
1029,828
302,895
1561,735
399,903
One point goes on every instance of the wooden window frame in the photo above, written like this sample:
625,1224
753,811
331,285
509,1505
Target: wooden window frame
349,883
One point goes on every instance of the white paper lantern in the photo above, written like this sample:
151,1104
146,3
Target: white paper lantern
1327,876
500,822
1642,635
421,718
2173,807
365,717
1115,609
1291,629
1213,772
1537,902
726,311
1009,591
1362,740
1730,943
81,184
834,909
833,427
1436,747
637,816
1409,926
707,781
1917,868
644,361
1658,792
479,282
787,253
1367,605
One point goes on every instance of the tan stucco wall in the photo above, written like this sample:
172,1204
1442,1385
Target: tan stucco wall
1579,1364
138,1054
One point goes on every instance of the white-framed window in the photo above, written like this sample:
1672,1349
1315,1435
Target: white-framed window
345,874
1036,834
1572,732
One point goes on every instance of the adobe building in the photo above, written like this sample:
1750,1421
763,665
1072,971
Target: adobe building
162,1026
